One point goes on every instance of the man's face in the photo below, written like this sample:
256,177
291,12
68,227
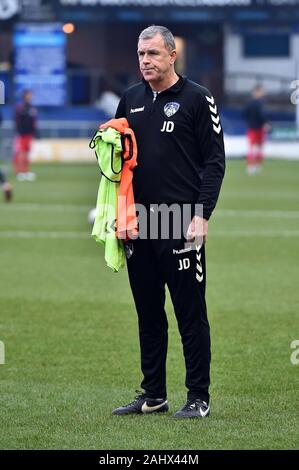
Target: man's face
27,97
155,60
259,93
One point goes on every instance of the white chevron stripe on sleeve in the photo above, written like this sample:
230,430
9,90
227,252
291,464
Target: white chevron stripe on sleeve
199,268
215,119
210,99
217,129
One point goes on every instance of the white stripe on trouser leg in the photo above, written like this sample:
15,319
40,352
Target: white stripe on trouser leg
199,274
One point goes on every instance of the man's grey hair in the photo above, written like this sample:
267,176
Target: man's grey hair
151,31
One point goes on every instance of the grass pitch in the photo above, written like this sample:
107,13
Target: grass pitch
70,329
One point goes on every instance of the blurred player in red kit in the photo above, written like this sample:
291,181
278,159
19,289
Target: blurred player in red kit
25,119
255,117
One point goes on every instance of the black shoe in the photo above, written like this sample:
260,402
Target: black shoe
194,408
141,404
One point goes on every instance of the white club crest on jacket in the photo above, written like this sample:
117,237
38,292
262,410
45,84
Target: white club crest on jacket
171,108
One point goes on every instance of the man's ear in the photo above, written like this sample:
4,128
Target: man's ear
173,56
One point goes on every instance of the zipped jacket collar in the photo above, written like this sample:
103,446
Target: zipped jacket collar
176,88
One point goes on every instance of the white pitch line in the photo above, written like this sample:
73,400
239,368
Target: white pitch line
46,207
214,233
241,194
219,212
25,234
257,213
255,233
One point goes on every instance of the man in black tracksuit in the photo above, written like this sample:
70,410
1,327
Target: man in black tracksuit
180,161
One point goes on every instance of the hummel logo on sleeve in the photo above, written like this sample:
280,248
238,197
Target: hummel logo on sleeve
214,116
136,110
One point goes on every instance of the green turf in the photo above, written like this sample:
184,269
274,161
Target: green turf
70,330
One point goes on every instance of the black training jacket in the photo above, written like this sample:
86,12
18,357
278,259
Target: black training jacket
180,144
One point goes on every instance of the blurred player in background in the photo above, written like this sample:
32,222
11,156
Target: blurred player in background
255,117
5,185
25,120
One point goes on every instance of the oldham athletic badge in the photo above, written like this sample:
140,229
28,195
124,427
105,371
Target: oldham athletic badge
171,108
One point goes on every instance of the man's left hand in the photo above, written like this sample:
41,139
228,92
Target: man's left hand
198,230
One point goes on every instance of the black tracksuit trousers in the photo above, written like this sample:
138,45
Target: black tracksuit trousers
152,265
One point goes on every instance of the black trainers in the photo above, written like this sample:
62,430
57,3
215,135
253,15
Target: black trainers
194,408
141,404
